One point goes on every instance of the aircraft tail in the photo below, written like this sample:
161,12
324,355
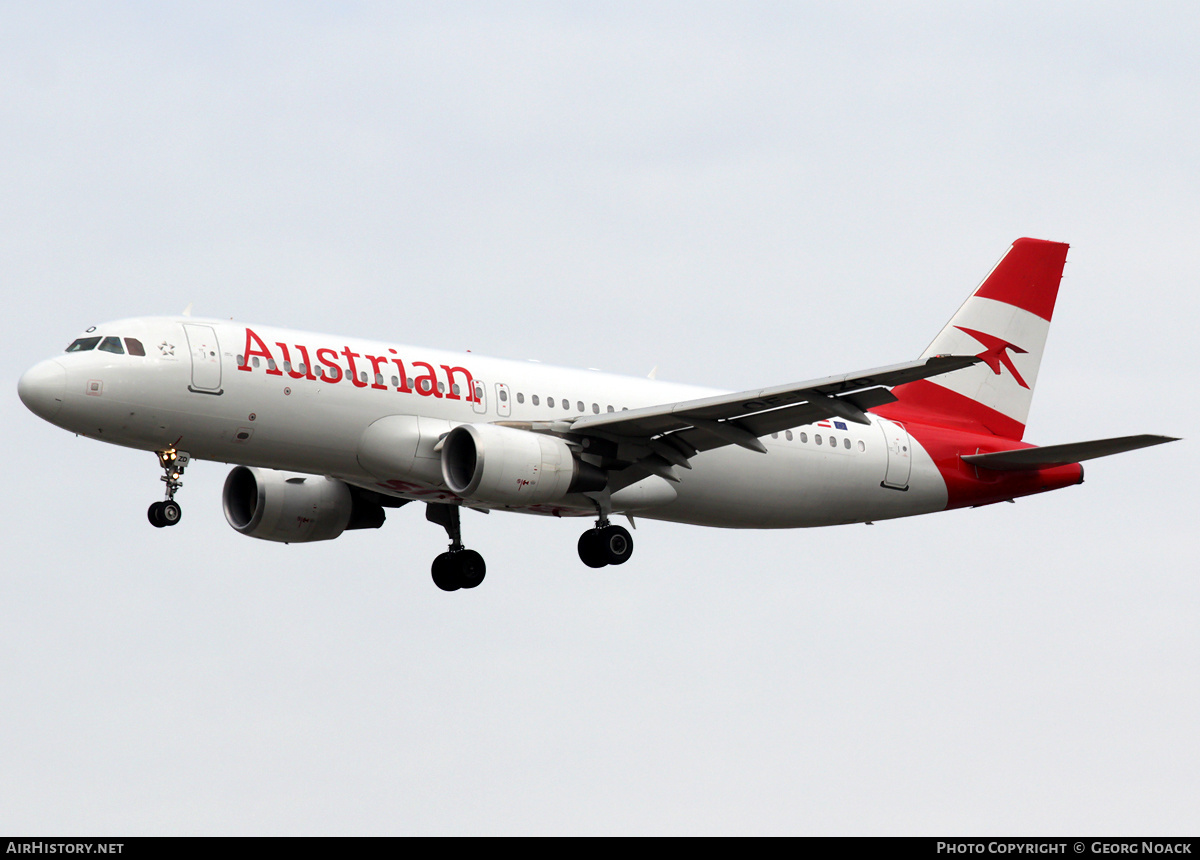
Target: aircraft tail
1004,322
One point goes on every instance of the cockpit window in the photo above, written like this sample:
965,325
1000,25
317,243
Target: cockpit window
83,344
112,344
134,346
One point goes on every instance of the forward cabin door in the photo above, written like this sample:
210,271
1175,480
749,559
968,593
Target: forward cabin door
899,454
206,358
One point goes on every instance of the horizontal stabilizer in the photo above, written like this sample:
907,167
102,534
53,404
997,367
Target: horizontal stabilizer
1062,455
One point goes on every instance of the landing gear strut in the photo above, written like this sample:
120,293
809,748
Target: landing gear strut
458,567
168,512
605,544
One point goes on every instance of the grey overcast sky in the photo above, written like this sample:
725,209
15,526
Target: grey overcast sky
740,194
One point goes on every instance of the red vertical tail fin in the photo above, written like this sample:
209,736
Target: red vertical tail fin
1004,322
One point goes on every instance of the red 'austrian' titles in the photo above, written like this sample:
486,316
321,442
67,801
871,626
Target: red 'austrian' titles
330,369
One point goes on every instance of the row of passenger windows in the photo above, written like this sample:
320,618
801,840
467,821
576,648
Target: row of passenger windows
108,344
819,440
580,406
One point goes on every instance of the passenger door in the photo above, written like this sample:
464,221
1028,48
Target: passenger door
206,358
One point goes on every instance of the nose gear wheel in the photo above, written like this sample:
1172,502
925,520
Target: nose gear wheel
168,512
164,514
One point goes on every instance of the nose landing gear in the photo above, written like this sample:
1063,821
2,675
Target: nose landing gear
458,567
168,512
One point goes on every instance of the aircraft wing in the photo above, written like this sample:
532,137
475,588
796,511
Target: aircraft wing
1061,455
741,417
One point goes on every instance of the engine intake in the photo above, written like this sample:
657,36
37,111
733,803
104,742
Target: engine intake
507,466
295,508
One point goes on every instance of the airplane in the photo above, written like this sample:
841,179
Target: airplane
326,432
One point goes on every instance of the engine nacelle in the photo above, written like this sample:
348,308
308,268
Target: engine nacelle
507,466
294,508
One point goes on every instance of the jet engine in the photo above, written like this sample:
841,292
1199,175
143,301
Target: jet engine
295,508
506,466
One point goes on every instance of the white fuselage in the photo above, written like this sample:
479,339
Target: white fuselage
222,391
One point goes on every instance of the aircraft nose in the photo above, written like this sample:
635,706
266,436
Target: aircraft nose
41,388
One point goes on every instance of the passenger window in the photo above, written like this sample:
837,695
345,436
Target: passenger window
256,361
271,364
833,441
287,365
83,344
113,345
861,446
454,388
846,444
535,400
135,346
610,409
395,381
804,438
550,402
503,396
817,438
788,434
520,397
596,408
579,406
379,379
774,435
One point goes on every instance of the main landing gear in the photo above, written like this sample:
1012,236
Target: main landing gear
458,567
605,544
168,512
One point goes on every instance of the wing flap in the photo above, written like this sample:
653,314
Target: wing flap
1062,455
